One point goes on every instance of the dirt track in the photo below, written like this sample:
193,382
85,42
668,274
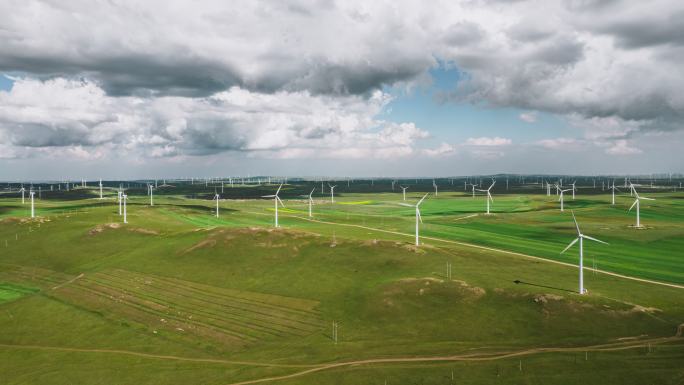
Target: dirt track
312,368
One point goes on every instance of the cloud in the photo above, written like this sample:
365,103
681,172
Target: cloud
487,142
441,150
529,117
78,115
622,147
567,144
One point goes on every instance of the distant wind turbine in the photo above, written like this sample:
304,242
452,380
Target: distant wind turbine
100,188
418,217
311,201
435,186
332,193
403,191
637,204
560,198
276,200
613,188
489,195
23,190
580,237
216,197
573,189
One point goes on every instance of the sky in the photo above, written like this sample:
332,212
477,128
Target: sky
162,89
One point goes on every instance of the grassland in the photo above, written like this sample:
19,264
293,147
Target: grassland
183,297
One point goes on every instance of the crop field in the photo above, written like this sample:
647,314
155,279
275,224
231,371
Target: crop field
186,297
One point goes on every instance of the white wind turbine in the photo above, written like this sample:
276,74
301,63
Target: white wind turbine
33,211
332,193
435,186
473,188
573,189
276,200
580,237
403,191
311,201
151,194
637,204
418,217
613,188
560,197
489,195
216,197
100,188
23,190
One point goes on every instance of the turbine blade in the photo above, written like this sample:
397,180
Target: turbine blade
594,239
420,218
490,187
648,199
570,245
279,201
279,187
576,225
405,204
633,204
422,199
268,196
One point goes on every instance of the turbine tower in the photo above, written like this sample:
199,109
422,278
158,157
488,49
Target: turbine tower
124,197
403,191
489,195
276,200
580,237
33,211
573,189
311,202
23,190
435,186
418,217
100,188
216,197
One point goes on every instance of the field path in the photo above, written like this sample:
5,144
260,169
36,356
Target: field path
477,357
312,368
673,285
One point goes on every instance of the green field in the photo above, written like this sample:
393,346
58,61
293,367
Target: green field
178,296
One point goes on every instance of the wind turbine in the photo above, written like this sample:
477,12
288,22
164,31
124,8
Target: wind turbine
403,191
580,237
332,193
276,200
33,211
489,195
573,189
311,201
23,190
151,195
560,198
100,188
473,188
216,197
637,204
418,217
613,188
435,186
124,197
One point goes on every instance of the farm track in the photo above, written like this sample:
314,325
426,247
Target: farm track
313,368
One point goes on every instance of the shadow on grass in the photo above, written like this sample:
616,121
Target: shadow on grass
519,282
